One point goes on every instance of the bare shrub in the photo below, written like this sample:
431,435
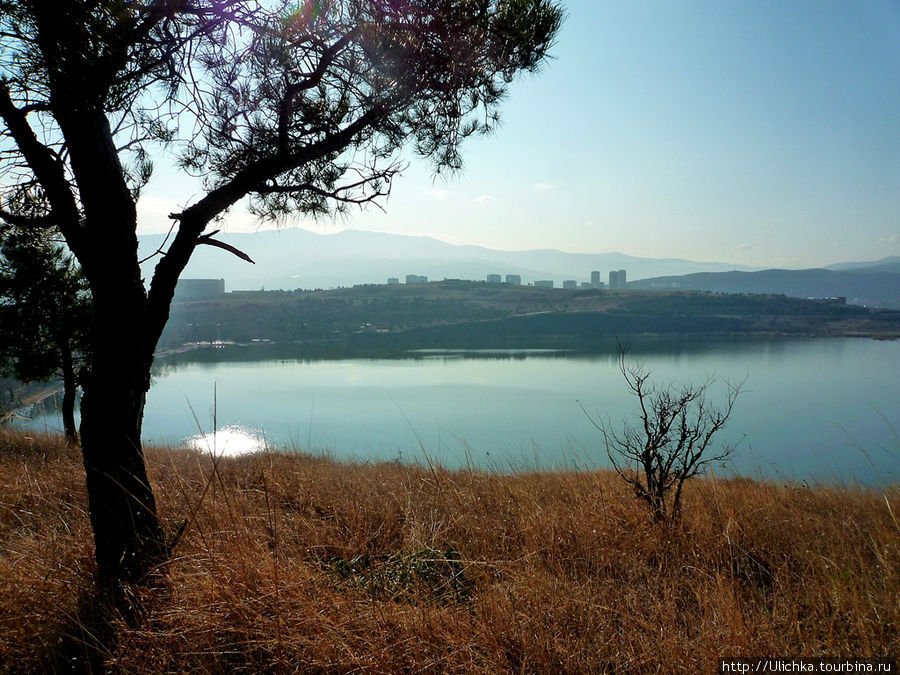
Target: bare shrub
671,440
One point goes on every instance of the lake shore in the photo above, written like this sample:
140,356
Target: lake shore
292,562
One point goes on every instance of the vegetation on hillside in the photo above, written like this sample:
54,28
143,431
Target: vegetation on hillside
466,313
297,563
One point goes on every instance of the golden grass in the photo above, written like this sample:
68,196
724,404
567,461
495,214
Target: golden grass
293,563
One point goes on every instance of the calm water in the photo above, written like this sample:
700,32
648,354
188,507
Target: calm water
822,410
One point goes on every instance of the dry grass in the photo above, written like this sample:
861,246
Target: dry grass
293,563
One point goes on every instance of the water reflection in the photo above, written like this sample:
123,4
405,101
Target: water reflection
228,441
822,409
603,351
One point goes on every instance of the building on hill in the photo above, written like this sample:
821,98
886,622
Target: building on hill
198,289
393,281
543,283
416,279
514,279
493,278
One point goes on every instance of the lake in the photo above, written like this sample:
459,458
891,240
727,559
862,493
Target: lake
814,409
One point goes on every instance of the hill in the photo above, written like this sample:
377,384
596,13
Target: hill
478,314
888,264
876,285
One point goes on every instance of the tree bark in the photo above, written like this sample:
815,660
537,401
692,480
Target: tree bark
128,539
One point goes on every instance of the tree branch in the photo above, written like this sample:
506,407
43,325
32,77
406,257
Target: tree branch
46,168
312,80
256,174
207,239
35,222
336,193
194,219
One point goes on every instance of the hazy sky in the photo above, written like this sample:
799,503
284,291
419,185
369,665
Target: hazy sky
760,132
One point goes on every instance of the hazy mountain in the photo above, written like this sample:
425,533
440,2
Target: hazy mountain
860,286
890,264
297,258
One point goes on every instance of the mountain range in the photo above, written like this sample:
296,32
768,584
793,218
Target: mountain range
298,258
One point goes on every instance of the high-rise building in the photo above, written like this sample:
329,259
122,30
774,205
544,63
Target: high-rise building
493,278
514,279
617,279
570,284
393,280
595,279
543,283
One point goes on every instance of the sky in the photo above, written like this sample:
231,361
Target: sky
758,132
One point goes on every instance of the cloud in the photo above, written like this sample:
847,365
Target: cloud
743,247
484,199
544,187
891,239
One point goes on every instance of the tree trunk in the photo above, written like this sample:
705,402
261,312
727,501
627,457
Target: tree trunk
69,390
128,539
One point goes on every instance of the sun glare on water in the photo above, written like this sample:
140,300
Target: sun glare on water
228,441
